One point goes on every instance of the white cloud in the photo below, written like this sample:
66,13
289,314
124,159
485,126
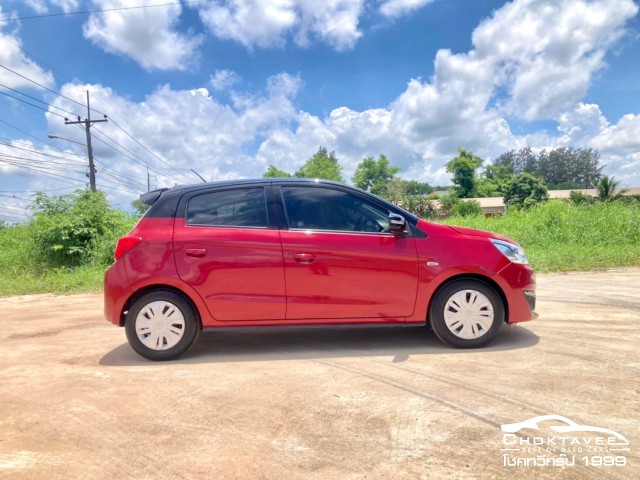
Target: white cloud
268,23
470,101
42,6
224,79
623,137
38,6
147,35
186,128
12,57
67,5
546,52
531,60
397,8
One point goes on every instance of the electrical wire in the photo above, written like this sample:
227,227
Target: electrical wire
139,160
42,141
37,106
147,164
152,153
69,160
45,190
86,12
38,100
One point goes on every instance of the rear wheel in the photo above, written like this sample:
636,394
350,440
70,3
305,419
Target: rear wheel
161,325
467,314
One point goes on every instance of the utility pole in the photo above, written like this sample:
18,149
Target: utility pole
149,180
87,127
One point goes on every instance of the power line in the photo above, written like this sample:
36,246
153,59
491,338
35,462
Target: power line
44,173
132,138
37,106
137,159
40,140
86,12
35,164
47,88
38,100
42,190
40,153
17,198
97,111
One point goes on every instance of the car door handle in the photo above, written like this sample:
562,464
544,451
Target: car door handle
304,257
196,252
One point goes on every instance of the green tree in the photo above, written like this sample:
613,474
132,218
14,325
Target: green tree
374,175
607,187
70,230
494,181
321,165
525,191
274,172
463,167
139,207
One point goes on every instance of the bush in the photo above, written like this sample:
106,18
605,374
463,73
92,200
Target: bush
448,202
525,191
467,209
579,198
419,205
76,229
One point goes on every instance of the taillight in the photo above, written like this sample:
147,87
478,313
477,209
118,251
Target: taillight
125,244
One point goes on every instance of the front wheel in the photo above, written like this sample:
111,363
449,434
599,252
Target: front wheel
161,325
467,314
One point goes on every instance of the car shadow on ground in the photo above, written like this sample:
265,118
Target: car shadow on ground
308,344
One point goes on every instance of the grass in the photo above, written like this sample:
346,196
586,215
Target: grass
557,236
21,273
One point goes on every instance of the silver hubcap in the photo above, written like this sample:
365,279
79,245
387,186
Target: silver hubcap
468,314
160,325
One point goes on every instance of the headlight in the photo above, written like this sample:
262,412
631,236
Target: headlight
510,250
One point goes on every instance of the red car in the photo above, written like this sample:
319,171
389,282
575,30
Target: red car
290,252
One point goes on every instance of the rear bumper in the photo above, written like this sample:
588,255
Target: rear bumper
115,286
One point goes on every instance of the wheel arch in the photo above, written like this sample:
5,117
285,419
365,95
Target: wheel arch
155,287
471,276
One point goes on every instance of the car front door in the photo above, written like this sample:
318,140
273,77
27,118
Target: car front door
228,249
340,260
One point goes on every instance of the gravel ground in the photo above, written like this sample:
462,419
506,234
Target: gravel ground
77,402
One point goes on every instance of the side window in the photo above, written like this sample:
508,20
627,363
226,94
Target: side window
243,207
318,208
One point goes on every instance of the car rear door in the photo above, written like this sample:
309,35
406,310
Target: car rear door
227,247
340,261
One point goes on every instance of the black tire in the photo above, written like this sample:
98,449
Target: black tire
486,314
170,317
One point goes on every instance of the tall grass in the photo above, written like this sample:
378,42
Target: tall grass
22,270
559,236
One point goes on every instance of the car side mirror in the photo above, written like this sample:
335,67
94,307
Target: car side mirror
397,224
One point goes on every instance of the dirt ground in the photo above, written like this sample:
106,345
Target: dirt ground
77,402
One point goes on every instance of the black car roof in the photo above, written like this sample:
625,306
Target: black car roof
149,198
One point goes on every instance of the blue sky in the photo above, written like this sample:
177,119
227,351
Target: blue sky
227,87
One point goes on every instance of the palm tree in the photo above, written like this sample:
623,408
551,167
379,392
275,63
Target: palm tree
607,189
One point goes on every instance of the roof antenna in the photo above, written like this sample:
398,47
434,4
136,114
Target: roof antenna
198,175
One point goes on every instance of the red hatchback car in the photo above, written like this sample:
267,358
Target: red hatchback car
291,252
